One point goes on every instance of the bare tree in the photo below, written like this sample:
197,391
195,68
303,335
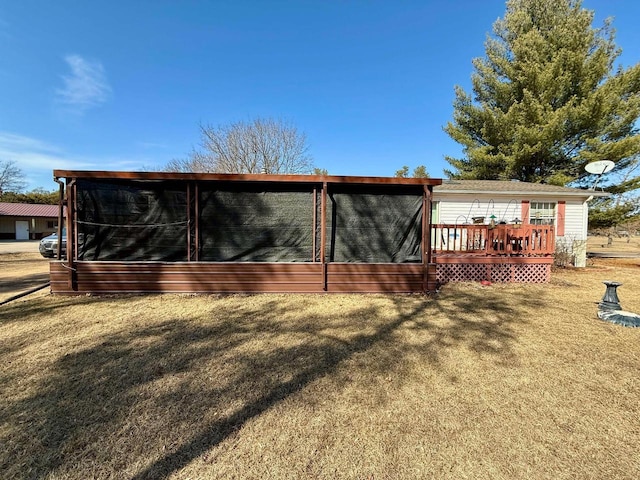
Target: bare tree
264,145
11,177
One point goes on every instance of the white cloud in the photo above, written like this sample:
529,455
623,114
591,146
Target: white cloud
86,86
38,159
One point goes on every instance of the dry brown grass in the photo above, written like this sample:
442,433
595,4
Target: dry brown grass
507,381
20,272
619,244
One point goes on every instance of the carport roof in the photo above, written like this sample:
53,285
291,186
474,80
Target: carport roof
28,210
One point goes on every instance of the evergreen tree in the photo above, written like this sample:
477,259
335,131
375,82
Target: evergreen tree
403,172
546,99
419,172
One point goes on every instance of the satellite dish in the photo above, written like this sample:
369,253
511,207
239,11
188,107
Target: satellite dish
600,167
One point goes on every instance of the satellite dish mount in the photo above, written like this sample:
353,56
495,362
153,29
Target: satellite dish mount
599,168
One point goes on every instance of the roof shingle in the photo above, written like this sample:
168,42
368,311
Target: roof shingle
501,186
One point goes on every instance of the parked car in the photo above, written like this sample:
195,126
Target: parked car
49,245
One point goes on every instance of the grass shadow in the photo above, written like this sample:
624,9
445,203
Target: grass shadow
145,401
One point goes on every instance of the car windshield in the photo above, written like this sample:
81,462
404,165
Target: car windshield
64,233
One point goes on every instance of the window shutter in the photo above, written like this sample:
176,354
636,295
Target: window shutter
560,218
524,211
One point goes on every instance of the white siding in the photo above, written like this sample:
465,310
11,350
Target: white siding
460,209
575,231
575,226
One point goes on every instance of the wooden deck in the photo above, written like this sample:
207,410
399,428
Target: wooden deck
500,253
500,240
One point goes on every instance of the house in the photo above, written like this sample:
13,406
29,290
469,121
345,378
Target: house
460,202
25,221
222,233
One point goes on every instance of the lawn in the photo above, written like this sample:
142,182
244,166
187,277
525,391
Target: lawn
503,382
20,272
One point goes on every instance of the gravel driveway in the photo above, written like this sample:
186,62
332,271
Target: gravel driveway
19,246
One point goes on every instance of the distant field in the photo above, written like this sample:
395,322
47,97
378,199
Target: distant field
501,382
619,244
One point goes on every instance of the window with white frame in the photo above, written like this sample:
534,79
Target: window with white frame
435,212
542,213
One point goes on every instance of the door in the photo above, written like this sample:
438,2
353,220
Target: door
22,230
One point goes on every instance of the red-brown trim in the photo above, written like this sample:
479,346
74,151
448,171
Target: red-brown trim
561,218
323,234
189,193
425,245
71,244
525,206
60,219
197,221
440,259
237,177
232,277
315,224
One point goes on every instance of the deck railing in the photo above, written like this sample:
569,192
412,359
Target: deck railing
509,240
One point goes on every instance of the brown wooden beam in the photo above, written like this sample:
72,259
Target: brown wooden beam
315,225
323,234
60,217
71,233
189,187
197,220
241,177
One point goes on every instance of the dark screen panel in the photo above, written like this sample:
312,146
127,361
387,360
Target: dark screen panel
377,225
256,224
131,220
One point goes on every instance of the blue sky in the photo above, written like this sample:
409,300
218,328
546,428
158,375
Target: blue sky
124,85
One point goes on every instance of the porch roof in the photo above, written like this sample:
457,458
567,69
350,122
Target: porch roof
244,177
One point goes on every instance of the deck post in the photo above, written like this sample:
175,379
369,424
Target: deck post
196,235
315,226
323,234
72,236
60,217
426,236
188,222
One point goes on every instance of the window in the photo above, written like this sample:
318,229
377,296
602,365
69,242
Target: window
542,213
435,212
51,224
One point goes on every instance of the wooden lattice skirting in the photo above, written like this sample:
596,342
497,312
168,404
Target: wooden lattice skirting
522,270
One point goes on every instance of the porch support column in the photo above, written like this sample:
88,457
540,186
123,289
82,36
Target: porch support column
72,234
189,222
323,234
60,217
196,194
314,257
426,236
